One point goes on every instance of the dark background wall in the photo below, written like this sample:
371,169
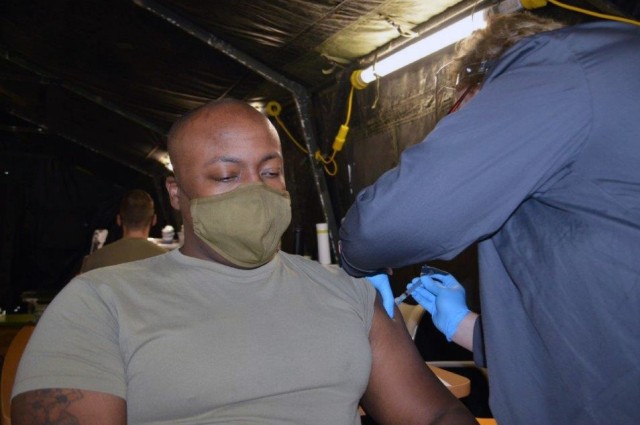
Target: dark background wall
53,195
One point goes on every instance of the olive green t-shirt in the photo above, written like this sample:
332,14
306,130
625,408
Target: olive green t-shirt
121,251
194,342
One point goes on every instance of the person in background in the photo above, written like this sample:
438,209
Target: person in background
136,217
227,328
540,168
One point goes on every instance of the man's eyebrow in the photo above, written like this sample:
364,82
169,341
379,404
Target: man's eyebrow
223,158
270,156
234,160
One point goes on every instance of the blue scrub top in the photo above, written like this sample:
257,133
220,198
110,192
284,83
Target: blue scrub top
542,168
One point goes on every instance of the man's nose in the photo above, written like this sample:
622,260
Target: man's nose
252,177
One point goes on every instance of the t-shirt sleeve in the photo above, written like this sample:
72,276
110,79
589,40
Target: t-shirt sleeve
74,345
366,297
358,293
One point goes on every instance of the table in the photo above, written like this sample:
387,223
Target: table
168,246
460,386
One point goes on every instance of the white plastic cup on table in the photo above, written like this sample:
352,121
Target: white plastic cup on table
167,234
324,254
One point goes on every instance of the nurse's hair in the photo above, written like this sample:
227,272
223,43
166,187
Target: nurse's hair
475,53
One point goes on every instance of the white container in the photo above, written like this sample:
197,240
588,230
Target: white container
324,253
167,234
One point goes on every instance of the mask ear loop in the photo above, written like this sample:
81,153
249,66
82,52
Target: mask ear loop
458,102
479,73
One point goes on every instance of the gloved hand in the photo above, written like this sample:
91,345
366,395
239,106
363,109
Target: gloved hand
381,283
444,298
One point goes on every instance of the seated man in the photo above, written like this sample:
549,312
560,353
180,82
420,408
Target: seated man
226,329
136,217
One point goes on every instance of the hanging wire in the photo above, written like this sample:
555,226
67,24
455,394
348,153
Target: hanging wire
330,165
443,86
339,140
377,98
273,109
592,13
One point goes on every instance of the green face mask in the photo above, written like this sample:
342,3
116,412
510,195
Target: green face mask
244,225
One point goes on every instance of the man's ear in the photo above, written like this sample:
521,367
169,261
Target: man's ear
118,220
154,220
174,192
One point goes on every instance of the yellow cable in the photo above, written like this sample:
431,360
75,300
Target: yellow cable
273,109
596,14
320,158
341,137
339,140
533,4
302,148
349,105
335,169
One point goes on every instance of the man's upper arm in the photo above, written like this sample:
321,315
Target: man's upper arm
75,345
67,406
402,389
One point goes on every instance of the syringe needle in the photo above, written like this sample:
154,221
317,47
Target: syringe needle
400,298
426,271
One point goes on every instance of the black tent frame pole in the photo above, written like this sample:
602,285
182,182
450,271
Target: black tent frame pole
300,94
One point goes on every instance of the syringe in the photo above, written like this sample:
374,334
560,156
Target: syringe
425,271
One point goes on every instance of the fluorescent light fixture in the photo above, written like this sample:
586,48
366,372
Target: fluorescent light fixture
418,50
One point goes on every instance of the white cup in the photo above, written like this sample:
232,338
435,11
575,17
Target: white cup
167,234
324,254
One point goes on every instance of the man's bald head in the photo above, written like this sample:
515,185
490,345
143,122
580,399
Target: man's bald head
219,115
216,149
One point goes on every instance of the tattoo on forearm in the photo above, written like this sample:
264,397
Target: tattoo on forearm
49,407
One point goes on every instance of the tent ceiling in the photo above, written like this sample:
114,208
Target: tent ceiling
113,75
120,74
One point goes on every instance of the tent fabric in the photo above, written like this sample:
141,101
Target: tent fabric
141,71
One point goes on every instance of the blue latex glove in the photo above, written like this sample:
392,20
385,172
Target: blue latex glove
381,283
443,297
